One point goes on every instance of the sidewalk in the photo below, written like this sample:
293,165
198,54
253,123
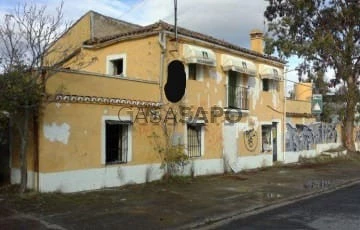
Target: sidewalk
182,203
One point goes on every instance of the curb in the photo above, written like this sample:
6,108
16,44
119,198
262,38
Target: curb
218,221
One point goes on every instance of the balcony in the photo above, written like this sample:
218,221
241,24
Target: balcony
238,97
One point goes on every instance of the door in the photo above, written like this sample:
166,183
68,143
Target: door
274,140
230,146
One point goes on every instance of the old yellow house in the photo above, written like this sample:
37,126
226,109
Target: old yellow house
93,133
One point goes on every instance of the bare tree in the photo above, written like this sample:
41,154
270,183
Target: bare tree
26,36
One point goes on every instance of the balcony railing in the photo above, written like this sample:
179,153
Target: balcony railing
238,97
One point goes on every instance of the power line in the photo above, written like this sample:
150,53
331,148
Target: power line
299,83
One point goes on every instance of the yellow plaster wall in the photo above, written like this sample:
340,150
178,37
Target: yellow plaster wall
142,58
93,85
265,107
206,94
297,106
83,148
303,91
300,107
70,41
300,120
212,92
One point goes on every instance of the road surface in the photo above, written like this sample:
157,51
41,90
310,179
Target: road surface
337,210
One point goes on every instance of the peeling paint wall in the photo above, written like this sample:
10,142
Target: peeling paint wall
71,139
254,86
54,132
70,41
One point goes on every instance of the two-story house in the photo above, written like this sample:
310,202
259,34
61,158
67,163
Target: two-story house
91,135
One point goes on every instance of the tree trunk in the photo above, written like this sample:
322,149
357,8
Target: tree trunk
23,151
348,130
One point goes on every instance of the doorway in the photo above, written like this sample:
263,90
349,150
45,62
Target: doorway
230,146
274,140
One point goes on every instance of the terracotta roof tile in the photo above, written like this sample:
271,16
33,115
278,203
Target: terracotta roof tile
181,31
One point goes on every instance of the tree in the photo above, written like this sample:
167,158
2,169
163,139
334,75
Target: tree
170,149
325,34
25,38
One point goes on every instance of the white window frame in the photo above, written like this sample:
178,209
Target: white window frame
103,137
202,141
200,69
109,67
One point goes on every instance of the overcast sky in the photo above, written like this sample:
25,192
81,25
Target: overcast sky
231,20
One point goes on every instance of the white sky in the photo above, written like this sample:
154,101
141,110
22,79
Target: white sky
231,20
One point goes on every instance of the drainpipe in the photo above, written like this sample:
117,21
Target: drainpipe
162,42
37,151
175,24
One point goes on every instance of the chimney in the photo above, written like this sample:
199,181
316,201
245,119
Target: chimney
256,41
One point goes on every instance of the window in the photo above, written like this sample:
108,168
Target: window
236,92
194,140
192,71
196,71
266,84
117,66
117,141
270,85
266,138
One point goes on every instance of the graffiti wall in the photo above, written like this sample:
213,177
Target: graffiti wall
305,137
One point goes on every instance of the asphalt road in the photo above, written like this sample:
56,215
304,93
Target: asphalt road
337,210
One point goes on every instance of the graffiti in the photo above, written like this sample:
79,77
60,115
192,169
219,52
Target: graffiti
305,137
251,139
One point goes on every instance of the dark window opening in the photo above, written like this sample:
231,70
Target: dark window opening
118,66
192,71
194,140
237,94
266,138
116,142
232,100
266,84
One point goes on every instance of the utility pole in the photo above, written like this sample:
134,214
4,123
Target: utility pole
175,23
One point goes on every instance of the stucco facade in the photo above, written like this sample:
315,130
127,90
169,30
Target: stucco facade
113,78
